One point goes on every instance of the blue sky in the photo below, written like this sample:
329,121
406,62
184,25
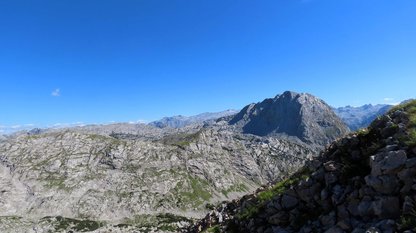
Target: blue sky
100,61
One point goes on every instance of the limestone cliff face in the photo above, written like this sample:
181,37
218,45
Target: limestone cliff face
298,115
361,183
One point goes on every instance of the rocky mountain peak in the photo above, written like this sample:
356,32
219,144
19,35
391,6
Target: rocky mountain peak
294,114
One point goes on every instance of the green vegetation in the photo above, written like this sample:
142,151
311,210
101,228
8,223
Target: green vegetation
410,109
12,218
249,211
113,142
283,185
362,132
213,229
196,192
408,221
162,221
181,140
277,189
235,188
68,224
56,182
411,141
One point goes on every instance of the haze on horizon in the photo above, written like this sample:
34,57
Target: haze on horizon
99,62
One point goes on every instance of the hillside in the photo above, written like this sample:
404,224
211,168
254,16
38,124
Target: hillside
363,182
137,177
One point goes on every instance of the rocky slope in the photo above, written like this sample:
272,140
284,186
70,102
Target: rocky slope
105,181
364,182
140,178
182,121
298,115
361,117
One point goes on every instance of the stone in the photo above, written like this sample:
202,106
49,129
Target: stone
331,166
386,184
353,207
411,162
328,220
334,229
393,161
279,230
373,230
387,207
342,212
289,202
356,155
386,226
345,225
281,218
390,148
330,178
324,194
364,208
408,205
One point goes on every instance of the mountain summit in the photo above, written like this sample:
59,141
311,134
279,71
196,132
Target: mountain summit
293,114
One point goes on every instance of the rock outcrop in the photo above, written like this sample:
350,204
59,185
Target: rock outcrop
364,182
297,115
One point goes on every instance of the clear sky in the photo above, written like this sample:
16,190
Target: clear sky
98,61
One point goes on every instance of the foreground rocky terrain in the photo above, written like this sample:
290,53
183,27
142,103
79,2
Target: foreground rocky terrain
364,182
141,178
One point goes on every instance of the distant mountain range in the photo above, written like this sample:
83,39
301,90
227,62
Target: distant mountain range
182,121
354,117
360,117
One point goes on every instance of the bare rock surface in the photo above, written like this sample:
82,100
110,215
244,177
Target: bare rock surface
141,178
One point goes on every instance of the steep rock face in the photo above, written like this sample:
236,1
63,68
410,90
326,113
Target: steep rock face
105,181
361,117
299,115
361,183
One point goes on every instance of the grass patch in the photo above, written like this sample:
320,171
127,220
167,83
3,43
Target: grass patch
56,182
194,193
181,140
161,222
68,224
235,188
408,222
277,189
411,139
214,229
410,109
